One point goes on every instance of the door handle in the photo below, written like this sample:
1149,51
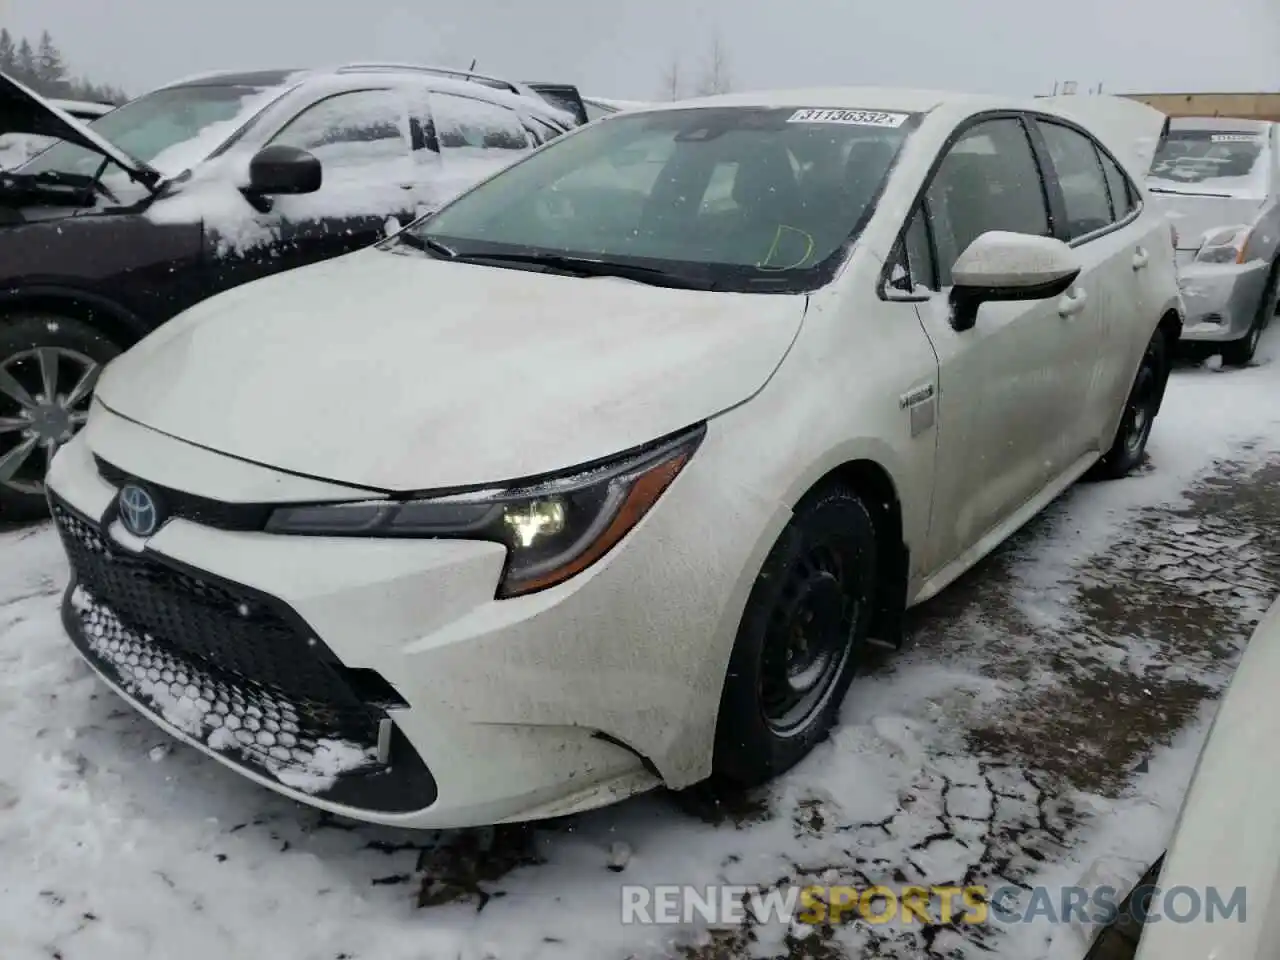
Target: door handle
406,186
1071,303
1140,258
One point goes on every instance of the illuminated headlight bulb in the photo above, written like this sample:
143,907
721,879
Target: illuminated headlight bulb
533,519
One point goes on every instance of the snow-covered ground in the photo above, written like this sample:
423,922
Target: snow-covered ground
1041,727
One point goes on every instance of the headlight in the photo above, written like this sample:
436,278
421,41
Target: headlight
1224,245
553,528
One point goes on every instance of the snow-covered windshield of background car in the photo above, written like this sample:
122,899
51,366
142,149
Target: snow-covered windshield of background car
743,197
1232,162
171,129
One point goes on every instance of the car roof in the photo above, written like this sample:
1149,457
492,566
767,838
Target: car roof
444,79
1220,123
240,78
901,99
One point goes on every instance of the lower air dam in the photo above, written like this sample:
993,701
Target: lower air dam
263,728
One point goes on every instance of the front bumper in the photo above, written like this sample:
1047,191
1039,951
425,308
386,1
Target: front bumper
1222,299
450,708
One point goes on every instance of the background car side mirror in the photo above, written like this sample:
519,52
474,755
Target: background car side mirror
279,170
1002,266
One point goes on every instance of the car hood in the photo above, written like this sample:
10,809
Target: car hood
22,110
401,372
1194,216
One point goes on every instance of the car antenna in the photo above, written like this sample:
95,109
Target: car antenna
472,69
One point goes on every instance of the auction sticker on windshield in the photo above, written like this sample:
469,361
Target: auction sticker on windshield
1233,138
859,118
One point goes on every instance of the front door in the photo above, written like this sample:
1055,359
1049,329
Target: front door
1004,397
361,139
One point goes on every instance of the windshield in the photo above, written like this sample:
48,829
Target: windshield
1234,163
745,198
170,129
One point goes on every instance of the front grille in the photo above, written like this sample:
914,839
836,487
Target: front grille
220,664
197,509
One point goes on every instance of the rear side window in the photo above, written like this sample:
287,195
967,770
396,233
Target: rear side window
989,180
541,130
1123,196
464,123
1078,166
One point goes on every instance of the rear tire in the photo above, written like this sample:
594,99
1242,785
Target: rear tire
1129,447
48,367
802,638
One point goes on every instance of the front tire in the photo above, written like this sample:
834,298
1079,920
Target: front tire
802,638
1239,353
49,366
1130,444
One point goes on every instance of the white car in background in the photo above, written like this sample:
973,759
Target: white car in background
634,481
17,148
1218,181
598,107
1228,832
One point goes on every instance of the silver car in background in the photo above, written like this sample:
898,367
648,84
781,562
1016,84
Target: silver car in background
1217,179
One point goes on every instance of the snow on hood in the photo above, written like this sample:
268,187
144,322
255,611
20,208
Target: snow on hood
1130,129
400,372
1195,217
22,110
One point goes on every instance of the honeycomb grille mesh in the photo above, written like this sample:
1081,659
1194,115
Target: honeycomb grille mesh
221,667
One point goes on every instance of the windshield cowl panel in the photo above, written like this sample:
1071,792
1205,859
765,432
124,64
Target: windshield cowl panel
742,199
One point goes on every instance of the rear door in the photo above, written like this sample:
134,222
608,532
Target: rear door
1097,215
1004,396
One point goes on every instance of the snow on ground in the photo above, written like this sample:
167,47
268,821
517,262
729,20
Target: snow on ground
1040,727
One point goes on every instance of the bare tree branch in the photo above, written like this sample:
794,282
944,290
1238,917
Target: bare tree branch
673,80
716,75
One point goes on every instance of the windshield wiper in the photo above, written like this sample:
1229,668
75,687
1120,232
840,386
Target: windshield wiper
585,267
1188,193
419,242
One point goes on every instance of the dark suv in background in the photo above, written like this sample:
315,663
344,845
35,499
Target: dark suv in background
206,184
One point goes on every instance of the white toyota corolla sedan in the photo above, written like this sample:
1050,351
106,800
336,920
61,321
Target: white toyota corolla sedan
610,473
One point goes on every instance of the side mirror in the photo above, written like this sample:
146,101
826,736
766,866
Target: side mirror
1001,266
278,170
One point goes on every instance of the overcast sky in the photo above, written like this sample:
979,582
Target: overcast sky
620,48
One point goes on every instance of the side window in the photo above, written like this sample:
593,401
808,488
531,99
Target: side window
541,130
350,130
1122,194
464,123
989,180
1084,185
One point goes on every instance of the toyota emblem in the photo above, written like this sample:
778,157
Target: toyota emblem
139,511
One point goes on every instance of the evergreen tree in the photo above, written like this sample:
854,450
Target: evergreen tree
24,67
8,52
44,70
51,71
